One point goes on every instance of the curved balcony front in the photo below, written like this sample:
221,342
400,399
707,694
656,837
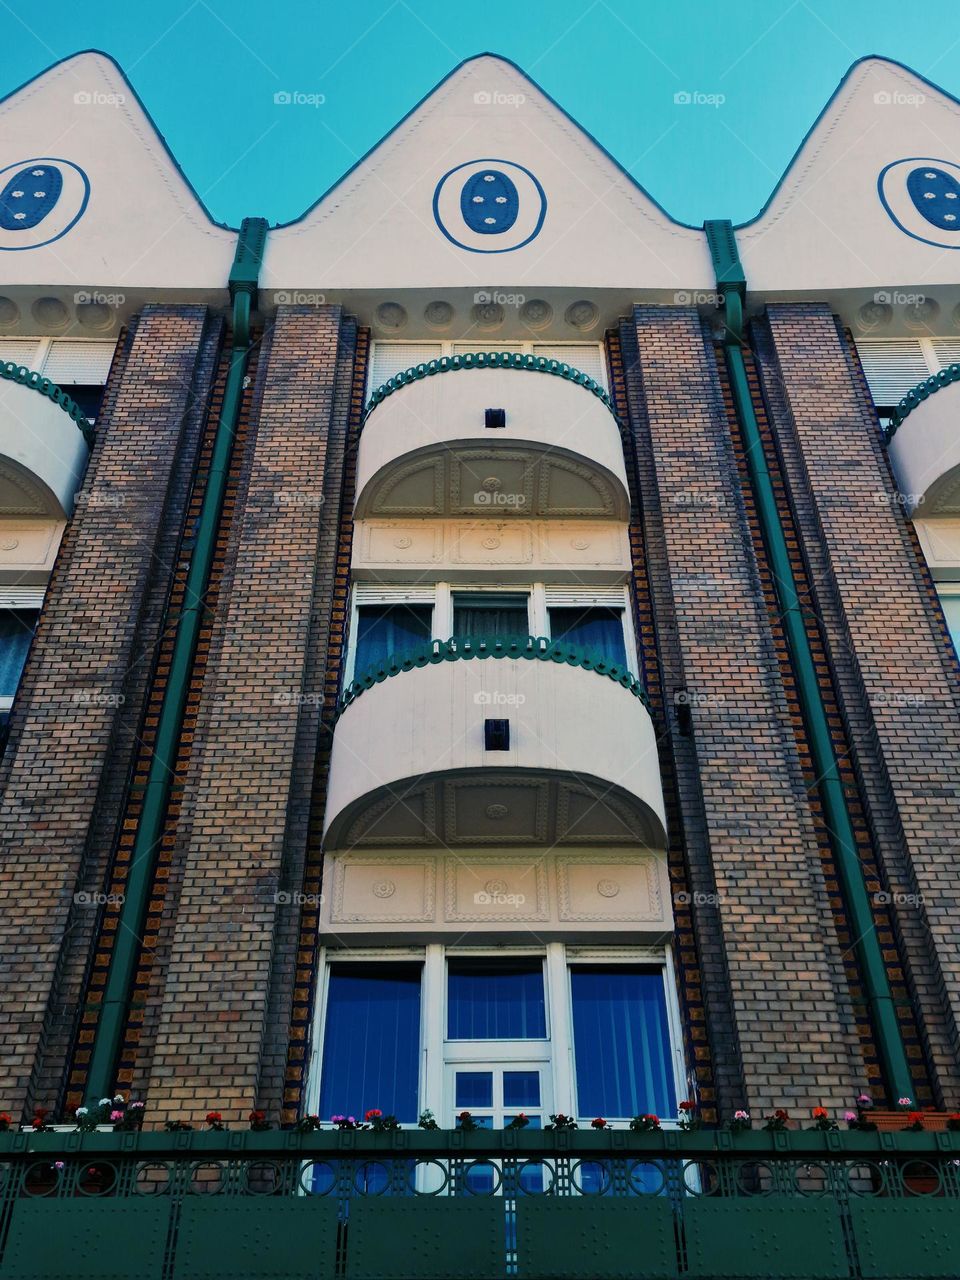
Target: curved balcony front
924,446
43,452
410,764
426,450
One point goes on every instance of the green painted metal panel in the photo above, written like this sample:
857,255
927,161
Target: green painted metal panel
426,1239
596,1239
766,1238
268,1238
86,1239
903,1239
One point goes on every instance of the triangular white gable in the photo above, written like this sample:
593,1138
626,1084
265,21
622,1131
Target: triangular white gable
828,226
395,221
125,216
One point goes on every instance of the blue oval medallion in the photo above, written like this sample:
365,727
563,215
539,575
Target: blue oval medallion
29,196
936,196
489,202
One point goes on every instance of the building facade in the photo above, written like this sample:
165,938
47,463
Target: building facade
484,646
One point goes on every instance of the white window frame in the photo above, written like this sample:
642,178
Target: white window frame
437,1053
19,598
541,597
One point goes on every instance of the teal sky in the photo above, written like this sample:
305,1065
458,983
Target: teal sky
208,71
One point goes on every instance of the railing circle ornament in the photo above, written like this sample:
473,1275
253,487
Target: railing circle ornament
488,360
457,648
10,371
922,391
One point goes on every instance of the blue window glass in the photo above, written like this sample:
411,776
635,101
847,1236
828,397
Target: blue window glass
621,1042
489,614
495,1002
521,1088
474,1089
385,629
951,611
598,629
16,632
371,1041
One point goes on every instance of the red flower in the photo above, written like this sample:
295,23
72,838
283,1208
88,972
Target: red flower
214,1117
688,1105
655,1119
819,1113
954,1116
781,1114
258,1115
915,1117
373,1114
599,1123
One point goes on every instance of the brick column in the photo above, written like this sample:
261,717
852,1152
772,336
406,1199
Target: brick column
901,698
67,728
210,1041
793,1025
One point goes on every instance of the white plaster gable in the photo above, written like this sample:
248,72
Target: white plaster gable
395,221
125,217
842,217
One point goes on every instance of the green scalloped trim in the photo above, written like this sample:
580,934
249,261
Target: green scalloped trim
13,372
922,391
530,647
488,360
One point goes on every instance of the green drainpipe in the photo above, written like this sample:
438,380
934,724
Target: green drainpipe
731,282
116,997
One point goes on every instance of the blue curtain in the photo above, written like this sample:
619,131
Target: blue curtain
491,615
495,1002
16,632
621,1042
371,1041
598,629
383,629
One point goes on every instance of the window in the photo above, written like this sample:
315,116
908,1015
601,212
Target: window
496,1001
621,1041
383,629
597,628
16,631
491,613
588,1031
950,601
371,1043
895,366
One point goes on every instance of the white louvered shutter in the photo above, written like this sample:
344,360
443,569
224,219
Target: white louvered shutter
393,357
946,351
84,364
893,368
559,597
20,352
585,356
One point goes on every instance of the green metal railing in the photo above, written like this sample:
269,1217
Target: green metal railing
916,396
533,648
33,381
488,360
483,1205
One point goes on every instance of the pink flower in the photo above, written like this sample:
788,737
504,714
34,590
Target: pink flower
849,1115
904,1102
741,1115
58,1164
116,1115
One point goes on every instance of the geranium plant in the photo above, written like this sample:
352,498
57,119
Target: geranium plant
560,1122
380,1123
215,1120
822,1121
777,1122
466,1122
428,1120
688,1114
518,1122
6,1120
648,1123
258,1121
599,1123
740,1122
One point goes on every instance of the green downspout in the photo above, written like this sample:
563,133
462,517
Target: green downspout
731,283
244,276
